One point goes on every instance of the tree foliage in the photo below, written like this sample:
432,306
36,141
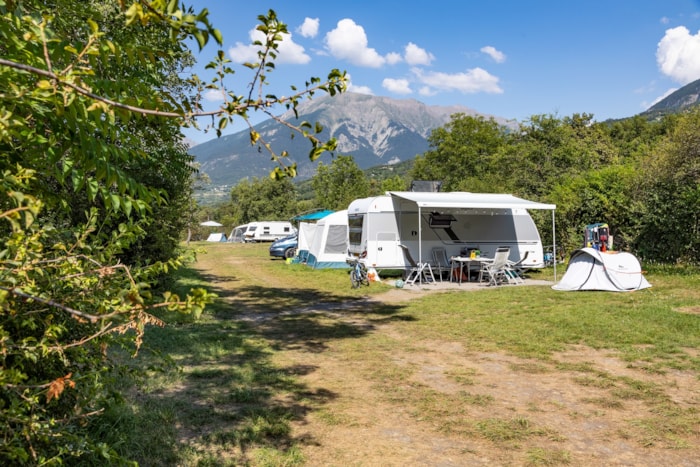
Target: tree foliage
640,177
338,184
263,199
671,181
462,153
94,181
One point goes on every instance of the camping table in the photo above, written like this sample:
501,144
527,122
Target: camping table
458,262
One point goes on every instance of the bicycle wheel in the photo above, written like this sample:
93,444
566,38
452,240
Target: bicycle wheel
364,279
355,278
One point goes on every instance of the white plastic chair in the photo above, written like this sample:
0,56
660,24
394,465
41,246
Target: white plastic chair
495,271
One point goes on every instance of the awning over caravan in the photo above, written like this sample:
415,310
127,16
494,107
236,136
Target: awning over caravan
461,200
466,200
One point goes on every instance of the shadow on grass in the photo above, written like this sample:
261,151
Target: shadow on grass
214,389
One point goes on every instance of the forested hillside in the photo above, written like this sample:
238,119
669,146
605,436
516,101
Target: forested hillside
375,130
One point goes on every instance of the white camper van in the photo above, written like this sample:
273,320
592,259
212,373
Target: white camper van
456,221
268,231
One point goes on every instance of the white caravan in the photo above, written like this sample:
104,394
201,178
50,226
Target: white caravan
268,231
456,221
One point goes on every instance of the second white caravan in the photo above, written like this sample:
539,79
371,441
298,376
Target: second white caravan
268,231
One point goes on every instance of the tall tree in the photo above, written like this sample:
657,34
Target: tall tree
338,184
461,153
608,195
263,199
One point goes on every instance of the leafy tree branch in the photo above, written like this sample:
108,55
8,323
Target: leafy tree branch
93,184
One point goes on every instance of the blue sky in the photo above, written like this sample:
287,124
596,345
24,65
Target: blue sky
511,59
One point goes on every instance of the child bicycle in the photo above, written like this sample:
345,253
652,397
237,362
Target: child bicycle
358,273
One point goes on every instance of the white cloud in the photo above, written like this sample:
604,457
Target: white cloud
288,51
664,20
678,55
426,91
392,58
241,53
214,95
471,82
348,41
360,89
496,55
397,86
309,28
415,55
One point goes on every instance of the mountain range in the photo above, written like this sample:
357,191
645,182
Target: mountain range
683,98
374,130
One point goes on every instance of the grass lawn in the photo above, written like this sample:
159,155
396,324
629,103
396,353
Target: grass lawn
293,367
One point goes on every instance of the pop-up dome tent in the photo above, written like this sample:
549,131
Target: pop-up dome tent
590,269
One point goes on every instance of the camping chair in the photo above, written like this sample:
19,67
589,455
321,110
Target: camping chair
416,272
440,263
495,271
514,270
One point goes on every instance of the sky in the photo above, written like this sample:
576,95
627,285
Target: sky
510,59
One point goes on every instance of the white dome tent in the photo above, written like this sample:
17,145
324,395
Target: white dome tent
591,269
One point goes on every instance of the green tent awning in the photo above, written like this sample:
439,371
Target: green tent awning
313,216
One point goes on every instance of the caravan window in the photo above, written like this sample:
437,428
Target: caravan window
355,222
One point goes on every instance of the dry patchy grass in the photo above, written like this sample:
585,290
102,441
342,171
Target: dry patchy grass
379,377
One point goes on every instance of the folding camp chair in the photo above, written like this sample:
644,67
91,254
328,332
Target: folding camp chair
495,271
440,262
514,270
416,272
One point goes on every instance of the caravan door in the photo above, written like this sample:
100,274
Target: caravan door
387,249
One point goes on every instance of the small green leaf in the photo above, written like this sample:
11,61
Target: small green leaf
92,188
115,201
217,36
127,206
94,28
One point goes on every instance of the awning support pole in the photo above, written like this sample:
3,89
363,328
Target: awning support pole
420,248
554,245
